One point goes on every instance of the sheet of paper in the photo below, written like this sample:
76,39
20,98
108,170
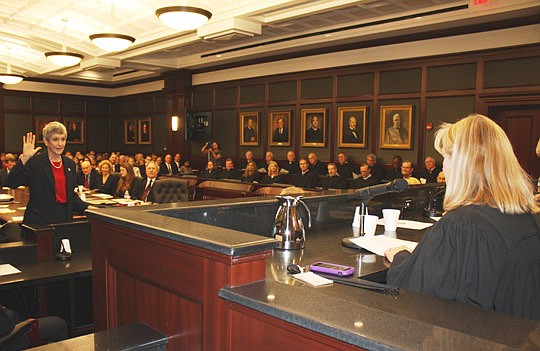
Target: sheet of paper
6,269
6,197
6,210
378,244
312,279
17,218
403,223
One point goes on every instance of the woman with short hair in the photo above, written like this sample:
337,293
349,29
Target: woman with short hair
51,177
109,180
485,251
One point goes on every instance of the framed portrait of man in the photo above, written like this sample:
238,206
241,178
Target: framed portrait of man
396,127
145,131
313,127
130,131
75,130
352,126
249,128
41,122
280,128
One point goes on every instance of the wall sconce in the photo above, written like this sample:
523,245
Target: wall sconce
174,123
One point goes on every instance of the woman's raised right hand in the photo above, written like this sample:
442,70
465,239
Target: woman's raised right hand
29,149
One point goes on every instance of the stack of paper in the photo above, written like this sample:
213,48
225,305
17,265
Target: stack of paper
378,244
312,279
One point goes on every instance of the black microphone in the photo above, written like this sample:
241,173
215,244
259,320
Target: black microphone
63,255
365,194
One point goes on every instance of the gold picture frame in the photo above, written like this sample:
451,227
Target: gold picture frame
249,128
352,126
279,126
396,127
41,122
313,127
130,131
145,131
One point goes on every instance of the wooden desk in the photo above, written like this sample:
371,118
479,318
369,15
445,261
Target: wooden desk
18,205
62,284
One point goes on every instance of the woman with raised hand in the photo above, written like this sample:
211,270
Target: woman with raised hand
51,177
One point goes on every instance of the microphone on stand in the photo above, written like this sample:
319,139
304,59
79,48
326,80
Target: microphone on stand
366,194
63,255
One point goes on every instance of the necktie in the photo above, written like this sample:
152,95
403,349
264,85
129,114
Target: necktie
86,181
169,168
147,190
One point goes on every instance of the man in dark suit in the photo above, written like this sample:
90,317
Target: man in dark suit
230,172
280,134
377,170
314,134
250,135
291,165
365,179
152,171
88,177
306,178
211,172
430,171
11,161
168,167
334,180
352,134
343,167
315,165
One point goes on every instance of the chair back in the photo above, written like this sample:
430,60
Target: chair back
170,190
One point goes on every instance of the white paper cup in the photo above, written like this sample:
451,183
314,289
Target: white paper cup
391,217
356,219
81,188
370,225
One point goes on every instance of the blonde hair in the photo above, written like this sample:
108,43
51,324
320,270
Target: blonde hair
108,163
484,169
277,168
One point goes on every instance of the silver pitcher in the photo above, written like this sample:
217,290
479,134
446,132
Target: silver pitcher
288,225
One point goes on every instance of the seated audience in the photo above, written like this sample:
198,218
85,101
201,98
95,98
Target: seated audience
485,251
152,170
441,178
430,171
249,158
407,170
376,170
128,185
229,172
10,162
251,173
136,170
344,169
108,181
168,167
268,157
211,172
185,168
366,178
333,180
272,176
88,177
306,178
395,171
291,165
315,165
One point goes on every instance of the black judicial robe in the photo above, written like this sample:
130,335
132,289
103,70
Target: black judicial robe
478,256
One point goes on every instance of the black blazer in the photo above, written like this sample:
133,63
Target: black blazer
109,187
3,176
163,170
38,174
135,190
94,179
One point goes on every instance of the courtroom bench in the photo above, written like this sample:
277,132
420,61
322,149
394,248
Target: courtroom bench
135,337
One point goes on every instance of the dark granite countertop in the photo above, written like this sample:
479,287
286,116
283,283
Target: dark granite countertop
156,220
372,320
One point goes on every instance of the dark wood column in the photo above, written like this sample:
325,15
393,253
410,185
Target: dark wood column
178,90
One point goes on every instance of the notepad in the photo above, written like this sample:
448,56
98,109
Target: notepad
6,197
313,279
378,244
6,269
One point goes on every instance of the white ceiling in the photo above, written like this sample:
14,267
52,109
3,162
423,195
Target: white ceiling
29,28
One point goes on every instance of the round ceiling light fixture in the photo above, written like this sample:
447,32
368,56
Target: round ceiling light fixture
183,17
63,58
112,41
